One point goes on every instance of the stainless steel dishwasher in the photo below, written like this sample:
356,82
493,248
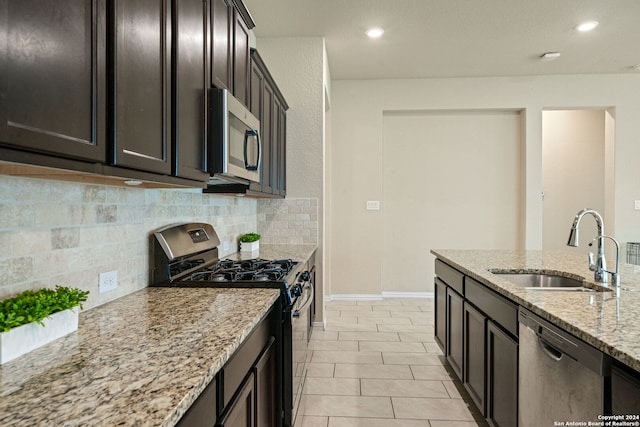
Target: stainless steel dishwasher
561,378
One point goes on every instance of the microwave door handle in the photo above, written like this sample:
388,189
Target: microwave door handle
248,134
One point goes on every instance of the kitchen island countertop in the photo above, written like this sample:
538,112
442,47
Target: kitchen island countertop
608,320
141,360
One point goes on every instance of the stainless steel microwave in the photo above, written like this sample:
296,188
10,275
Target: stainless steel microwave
234,149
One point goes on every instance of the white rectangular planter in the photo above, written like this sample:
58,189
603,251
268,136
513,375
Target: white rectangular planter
249,246
25,338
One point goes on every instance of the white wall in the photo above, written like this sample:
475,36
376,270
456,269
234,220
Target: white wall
299,67
460,168
357,143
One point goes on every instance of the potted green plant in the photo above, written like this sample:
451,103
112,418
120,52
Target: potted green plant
32,319
249,242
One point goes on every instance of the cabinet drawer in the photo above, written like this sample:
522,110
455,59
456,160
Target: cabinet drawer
243,359
450,276
495,306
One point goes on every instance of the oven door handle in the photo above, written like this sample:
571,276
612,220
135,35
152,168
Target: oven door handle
308,287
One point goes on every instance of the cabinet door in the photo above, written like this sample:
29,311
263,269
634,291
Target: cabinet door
282,149
279,147
625,391
258,106
266,123
190,83
502,377
222,44
241,67
141,85
53,84
203,411
454,332
474,379
440,331
241,411
265,374
256,89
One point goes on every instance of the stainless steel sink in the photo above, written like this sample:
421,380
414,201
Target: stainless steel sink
546,281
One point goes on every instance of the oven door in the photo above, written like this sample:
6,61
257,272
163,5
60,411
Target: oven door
300,321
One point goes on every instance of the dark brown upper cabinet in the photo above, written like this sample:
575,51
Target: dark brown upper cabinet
241,58
53,84
230,49
222,44
268,104
281,108
140,95
190,88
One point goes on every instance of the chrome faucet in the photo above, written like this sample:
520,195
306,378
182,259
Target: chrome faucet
599,267
615,275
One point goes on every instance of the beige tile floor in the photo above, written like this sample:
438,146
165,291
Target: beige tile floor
377,365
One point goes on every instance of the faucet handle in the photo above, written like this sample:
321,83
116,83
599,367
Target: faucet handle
592,264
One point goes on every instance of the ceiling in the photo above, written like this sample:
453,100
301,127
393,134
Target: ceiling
459,38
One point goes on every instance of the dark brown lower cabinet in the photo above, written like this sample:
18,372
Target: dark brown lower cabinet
203,411
474,378
265,375
502,377
241,411
454,331
477,329
440,329
625,391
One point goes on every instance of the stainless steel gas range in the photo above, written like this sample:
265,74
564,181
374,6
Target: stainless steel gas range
186,255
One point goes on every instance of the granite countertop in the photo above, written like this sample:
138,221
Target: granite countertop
606,320
141,360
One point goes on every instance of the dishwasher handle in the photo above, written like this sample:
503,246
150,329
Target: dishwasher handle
550,351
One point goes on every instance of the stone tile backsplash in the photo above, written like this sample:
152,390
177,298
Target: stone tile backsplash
288,221
57,232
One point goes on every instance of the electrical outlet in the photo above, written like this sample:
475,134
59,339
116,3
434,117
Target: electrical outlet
373,205
108,281
225,246
636,204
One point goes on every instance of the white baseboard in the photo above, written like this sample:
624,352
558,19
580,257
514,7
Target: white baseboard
407,294
350,297
377,297
319,325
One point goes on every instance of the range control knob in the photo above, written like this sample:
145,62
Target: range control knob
305,276
296,290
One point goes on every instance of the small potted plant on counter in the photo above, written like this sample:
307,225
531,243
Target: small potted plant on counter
249,242
32,319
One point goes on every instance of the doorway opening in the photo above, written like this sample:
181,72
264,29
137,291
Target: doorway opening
577,172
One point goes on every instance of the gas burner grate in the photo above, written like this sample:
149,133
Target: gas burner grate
252,270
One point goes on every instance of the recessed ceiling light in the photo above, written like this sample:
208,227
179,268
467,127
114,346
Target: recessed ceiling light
374,33
587,26
550,56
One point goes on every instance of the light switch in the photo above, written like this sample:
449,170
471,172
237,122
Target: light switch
636,204
373,205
